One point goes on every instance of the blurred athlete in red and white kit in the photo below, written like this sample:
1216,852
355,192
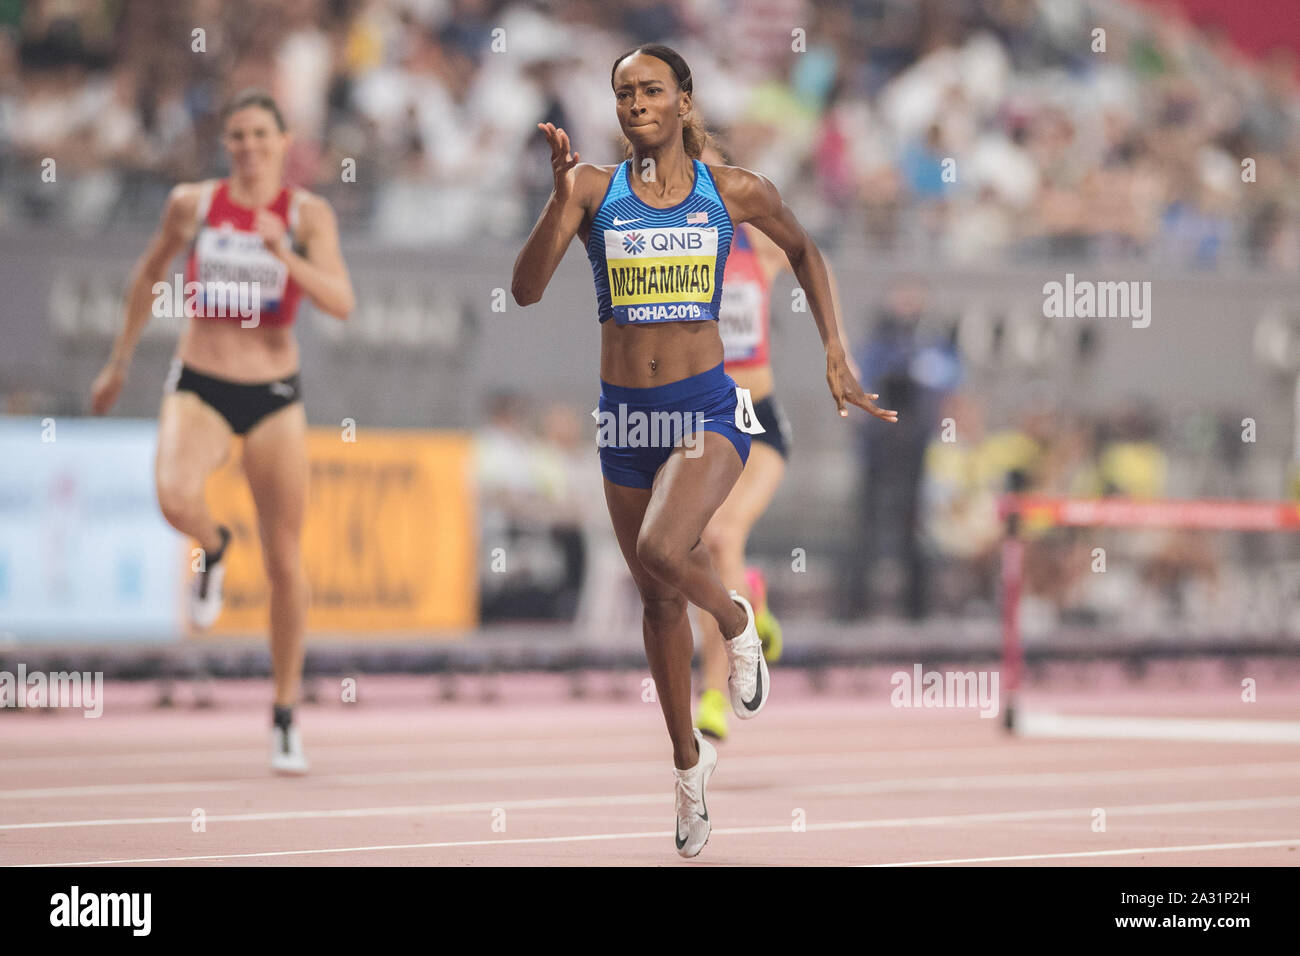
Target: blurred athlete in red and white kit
252,239
745,325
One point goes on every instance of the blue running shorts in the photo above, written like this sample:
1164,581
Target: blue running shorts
638,428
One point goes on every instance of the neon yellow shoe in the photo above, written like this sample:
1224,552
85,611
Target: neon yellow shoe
769,629
711,715
769,632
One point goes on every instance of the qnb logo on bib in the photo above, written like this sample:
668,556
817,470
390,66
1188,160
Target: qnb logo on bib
662,274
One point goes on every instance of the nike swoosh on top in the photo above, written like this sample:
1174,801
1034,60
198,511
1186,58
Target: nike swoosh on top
624,222
680,840
753,703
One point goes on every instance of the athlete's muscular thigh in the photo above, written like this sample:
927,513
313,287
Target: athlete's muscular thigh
686,492
276,463
193,442
627,507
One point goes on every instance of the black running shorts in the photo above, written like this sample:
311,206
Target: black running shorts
776,429
242,405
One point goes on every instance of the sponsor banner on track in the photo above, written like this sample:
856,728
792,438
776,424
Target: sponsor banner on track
85,555
388,542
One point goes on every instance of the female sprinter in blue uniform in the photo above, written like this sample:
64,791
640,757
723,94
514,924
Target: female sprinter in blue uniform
657,228
229,378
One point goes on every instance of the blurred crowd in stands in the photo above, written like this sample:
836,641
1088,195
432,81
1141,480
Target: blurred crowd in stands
853,108
948,131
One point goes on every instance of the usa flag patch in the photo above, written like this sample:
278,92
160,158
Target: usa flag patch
697,218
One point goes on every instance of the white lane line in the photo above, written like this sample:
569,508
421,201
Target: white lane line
111,789
788,764
461,774
420,810
413,749
364,849
791,765
1255,845
901,785
1044,724
864,759
1066,778
1081,813
417,749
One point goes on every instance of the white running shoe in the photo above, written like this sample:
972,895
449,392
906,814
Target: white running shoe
748,683
205,589
286,750
693,827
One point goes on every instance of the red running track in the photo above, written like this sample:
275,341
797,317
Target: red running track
536,778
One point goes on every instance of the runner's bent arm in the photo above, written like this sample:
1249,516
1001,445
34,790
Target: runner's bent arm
174,231
322,274
752,198
559,221
775,262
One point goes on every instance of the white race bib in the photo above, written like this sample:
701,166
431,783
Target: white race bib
746,417
740,319
229,255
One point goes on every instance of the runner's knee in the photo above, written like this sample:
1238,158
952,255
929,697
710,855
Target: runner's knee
663,610
181,502
283,561
658,556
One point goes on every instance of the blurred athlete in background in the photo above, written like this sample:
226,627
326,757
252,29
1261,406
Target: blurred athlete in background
252,241
744,322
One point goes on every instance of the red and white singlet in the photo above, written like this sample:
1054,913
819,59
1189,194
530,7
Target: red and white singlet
743,313
228,249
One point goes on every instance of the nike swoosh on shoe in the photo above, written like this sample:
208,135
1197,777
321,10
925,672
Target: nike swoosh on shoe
681,841
757,699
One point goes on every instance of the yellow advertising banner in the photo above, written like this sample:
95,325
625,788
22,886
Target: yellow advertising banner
388,541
